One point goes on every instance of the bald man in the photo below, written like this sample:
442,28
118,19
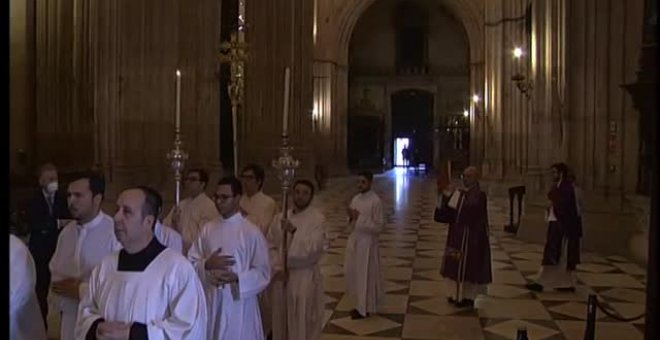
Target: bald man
466,261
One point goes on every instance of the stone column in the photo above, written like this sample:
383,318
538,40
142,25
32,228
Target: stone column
280,36
643,93
492,97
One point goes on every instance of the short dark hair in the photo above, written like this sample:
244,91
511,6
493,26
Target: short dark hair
305,183
203,175
46,167
367,174
259,173
153,201
561,168
234,183
96,182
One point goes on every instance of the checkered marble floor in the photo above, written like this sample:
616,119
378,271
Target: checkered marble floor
415,306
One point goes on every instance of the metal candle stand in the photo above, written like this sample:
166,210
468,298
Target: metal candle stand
286,166
177,158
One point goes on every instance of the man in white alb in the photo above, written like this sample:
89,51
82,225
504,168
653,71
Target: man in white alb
304,285
362,258
167,236
194,211
231,258
259,209
24,312
256,206
81,246
145,290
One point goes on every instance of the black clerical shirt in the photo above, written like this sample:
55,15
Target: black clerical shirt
133,263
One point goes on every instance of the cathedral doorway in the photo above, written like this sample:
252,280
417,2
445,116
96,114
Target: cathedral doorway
408,72
412,119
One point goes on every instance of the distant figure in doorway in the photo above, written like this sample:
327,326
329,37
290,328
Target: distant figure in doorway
405,154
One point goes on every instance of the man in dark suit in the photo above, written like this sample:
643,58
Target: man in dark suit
45,210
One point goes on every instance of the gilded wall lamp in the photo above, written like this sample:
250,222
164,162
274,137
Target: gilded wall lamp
523,84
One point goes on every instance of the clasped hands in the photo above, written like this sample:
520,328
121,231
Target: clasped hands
217,267
352,213
113,330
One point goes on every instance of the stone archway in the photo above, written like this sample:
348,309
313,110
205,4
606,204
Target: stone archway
467,11
469,14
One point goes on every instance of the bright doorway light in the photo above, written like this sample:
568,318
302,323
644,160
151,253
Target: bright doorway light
399,145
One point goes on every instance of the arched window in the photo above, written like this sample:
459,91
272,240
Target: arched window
411,22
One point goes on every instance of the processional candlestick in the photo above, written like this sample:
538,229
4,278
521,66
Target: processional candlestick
234,53
286,166
177,156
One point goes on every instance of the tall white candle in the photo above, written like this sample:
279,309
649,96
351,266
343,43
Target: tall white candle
285,119
178,100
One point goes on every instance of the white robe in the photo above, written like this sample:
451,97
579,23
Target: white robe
79,250
25,321
168,237
304,289
230,319
362,258
195,213
167,297
260,209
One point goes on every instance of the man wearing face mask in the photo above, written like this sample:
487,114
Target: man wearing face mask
46,210
466,261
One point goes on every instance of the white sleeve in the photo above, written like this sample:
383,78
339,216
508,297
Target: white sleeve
187,317
254,280
306,250
373,224
22,276
88,311
197,257
274,240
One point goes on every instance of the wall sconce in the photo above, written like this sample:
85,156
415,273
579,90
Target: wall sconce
524,86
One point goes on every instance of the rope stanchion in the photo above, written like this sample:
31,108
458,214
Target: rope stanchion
590,329
614,315
592,305
522,334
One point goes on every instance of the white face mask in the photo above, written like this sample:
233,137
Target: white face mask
52,187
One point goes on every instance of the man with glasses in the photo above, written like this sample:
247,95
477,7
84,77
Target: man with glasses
194,211
231,258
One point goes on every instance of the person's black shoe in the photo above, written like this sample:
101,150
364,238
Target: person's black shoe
566,289
534,287
355,315
452,301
